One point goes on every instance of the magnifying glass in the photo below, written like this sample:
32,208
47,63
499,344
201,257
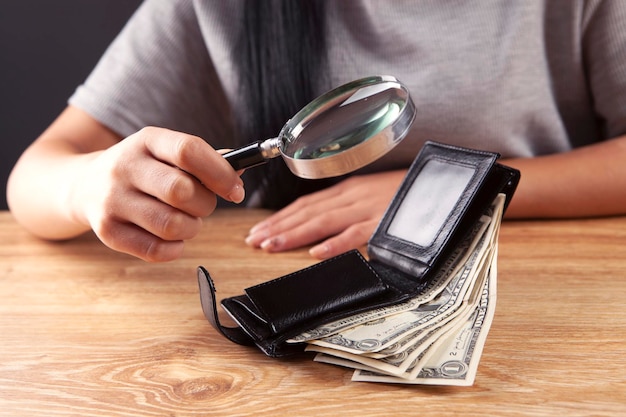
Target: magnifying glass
338,132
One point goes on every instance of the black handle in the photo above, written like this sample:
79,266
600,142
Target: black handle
246,157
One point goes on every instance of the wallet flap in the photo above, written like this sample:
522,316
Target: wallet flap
324,288
440,193
209,307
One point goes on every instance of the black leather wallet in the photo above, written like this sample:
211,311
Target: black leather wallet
443,195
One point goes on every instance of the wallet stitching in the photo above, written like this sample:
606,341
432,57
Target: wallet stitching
317,265
240,319
461,149
475,183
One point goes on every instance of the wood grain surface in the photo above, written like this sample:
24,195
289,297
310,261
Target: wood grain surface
86,331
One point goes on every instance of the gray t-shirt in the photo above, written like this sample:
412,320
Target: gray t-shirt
522,78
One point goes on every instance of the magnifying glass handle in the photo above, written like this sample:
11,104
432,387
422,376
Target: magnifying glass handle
254,154
246,157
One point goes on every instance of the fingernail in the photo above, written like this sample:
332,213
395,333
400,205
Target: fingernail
255,239
237,194
319,251
272,244
257,227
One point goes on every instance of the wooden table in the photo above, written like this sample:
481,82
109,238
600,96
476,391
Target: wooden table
89,332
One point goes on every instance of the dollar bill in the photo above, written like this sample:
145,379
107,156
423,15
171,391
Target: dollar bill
454,359
400,361
396,364
445,349
450,269
377,335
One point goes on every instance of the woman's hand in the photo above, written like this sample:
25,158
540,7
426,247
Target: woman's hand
342,217
147,194
143,195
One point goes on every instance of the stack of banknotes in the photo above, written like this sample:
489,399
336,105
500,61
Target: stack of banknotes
435,338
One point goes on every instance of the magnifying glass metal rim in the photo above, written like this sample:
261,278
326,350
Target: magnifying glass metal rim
340,163
358,155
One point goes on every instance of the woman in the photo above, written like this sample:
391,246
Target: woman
540,82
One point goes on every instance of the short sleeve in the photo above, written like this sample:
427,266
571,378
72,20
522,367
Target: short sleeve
604,45
158,72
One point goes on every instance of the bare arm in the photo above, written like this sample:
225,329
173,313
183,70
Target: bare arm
143,195
43,175
588,181
585,182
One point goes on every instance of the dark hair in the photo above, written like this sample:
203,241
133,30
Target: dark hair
283,59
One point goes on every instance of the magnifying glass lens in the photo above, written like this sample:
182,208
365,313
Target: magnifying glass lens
325,129
338,132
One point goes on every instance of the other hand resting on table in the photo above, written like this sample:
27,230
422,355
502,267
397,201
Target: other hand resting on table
342,217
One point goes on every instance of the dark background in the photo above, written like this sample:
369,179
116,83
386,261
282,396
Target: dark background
47,48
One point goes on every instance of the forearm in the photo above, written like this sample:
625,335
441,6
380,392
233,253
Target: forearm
39,187
588,181
144,195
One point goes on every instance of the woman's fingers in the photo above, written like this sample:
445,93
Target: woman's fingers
174,187
133,240
195,156
341,217
303,233
306,220
352,237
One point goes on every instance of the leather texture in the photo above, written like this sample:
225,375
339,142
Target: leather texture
323,288
487,180
464,181
209,307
